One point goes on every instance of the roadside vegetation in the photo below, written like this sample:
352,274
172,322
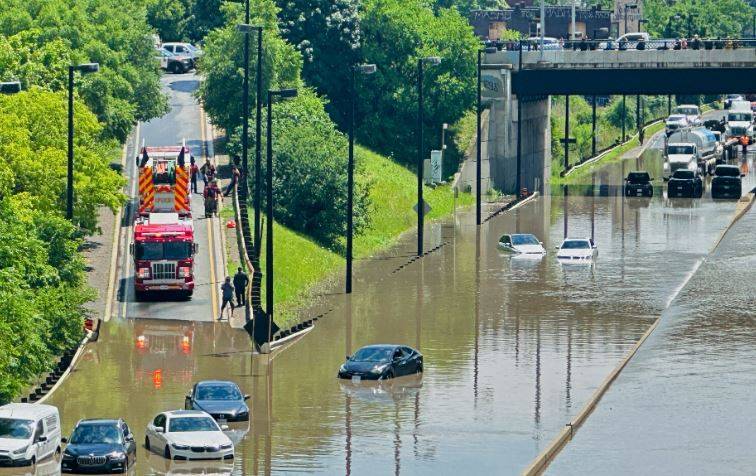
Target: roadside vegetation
43,286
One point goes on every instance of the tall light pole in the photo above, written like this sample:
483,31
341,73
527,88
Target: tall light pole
431,60
83,69
246,28
272,94
12,87
361,69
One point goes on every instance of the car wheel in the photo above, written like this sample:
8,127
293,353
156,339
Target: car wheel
167,452
126,465
147,443
139,296
34,462
420,368
388,375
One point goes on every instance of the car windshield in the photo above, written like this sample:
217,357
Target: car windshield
680,150
524,240
676,118
192,48
683,174
728,172
373,354
688,111
575,245
174,250
739,117
638,177
95,434
218,392
15,429
184,424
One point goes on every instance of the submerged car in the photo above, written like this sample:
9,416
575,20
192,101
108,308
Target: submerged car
727,182
577,250
685,183
188,434
221,399
381,362
101,446
638,184
521,244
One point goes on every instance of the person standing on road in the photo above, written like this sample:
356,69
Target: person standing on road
240,286
235,174
208,172
194,171
227,290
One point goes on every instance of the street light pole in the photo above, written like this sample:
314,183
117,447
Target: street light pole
83,68
479,145
432,60
624,116
284,94
362,69
245,106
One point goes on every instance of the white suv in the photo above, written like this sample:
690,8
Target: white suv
184,49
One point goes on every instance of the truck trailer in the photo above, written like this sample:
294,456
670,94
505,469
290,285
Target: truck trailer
691,149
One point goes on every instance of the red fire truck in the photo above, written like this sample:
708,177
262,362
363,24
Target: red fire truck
164,180
163,252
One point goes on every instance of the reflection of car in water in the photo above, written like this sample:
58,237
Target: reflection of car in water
48,467
378,391
380,362
164,352
159,465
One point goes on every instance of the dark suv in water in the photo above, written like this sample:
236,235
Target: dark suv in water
638,184
726,182
99,446
685,183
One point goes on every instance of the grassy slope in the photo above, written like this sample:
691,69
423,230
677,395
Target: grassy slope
300,263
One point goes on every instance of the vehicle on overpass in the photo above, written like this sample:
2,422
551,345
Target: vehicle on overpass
685,183
740,121
163,251
164,180
691,112
690,149
577,251
675,122
522,244
549,44
638,184
727,182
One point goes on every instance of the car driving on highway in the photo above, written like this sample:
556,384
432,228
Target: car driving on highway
727,182
731,98
691,112
188,434
685,183
381,362
521,244
100,446
675,122
576,250
221,399
638,184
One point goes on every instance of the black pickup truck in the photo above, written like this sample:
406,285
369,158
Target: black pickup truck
685,183
638,184
727,182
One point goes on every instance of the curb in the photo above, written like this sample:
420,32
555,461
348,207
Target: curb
45,394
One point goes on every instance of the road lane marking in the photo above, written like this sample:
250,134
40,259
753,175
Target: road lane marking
127,232
209,223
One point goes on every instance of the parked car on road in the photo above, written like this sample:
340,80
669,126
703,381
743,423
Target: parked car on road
188,434
576,250
685,183
101,446
29,433
727,182
638,184
675,122
184,49
174,63
521,244
380,362
221,399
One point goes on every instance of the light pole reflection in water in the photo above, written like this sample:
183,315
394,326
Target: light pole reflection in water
347,397
477,315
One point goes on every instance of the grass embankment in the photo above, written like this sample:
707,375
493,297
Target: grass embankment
300,263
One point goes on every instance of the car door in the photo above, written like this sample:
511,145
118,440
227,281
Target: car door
412,360
169,48
40,447
159,421
128,442
182,50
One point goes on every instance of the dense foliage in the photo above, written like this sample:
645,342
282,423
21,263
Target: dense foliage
39,39
191,20
707,18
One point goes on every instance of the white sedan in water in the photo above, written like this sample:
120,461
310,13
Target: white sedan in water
188,434
522,244
577,250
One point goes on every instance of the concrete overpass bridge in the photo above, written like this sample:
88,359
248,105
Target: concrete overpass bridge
517,85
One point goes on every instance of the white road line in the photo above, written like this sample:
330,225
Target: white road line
127,233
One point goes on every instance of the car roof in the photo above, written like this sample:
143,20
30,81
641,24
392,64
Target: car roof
98,421
382,346
26,411
726,167
577,239
185,413
216,382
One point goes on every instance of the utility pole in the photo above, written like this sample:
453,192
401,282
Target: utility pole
432,60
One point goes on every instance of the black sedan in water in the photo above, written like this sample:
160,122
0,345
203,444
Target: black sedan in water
381,362
99,446
221,399
685,183
638,184
726,182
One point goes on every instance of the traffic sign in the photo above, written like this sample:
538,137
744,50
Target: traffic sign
426,208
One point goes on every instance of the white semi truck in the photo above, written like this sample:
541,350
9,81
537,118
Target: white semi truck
691,149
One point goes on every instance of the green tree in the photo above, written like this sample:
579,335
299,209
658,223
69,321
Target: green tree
168,17
707,18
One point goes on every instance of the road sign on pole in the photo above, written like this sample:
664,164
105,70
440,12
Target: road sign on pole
426,208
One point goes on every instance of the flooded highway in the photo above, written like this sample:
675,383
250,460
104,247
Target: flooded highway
685,404
513,347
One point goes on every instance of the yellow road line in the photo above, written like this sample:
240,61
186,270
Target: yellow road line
209,223
127,232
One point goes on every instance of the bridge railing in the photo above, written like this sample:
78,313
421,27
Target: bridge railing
612,54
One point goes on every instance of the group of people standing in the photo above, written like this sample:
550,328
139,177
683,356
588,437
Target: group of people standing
234,289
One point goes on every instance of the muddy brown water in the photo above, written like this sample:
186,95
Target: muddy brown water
513,347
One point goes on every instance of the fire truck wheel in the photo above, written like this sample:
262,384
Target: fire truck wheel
188,294
139,295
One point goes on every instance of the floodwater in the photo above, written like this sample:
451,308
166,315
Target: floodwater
513,347
685,403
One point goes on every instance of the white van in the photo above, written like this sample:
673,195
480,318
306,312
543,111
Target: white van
28,433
